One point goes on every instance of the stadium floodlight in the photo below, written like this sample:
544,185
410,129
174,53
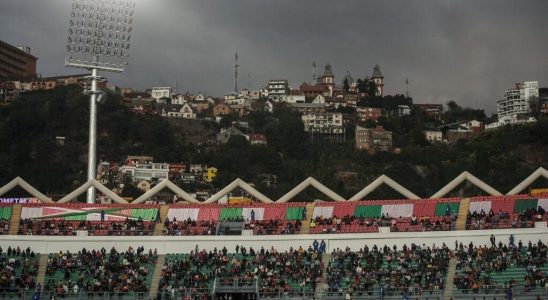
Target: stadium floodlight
98,40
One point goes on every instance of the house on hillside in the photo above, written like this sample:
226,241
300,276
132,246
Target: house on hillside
224,136
257,139
209,174
184,111
221,109
373,139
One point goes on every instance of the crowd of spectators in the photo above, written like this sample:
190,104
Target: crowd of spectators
352,223
189,227
413,270
503,219
293,272
98,271
129,226
273,227
479,267
18,270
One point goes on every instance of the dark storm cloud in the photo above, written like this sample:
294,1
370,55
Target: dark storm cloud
468,51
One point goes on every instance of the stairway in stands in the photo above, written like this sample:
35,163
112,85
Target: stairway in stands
320,288
159,227
42,266
451,269
155,282
463,213
15,218
305,224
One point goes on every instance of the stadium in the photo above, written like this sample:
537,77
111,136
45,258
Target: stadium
481,247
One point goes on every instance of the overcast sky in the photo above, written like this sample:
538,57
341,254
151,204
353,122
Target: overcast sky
469,51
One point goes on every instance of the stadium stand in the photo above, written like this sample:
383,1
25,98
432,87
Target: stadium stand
18,270
291,273
502,268
506,212
96,272
399,215
413,270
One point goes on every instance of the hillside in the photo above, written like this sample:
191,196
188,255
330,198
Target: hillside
29,126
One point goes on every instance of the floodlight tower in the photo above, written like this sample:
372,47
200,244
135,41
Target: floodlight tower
98,40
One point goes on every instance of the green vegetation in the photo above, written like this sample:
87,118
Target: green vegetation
28,128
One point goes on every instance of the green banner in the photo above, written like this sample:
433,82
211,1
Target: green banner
369,211
144,213
230,213
294,213
5,213
441,208
525,204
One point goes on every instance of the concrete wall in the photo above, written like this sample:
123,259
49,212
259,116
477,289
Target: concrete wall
184,244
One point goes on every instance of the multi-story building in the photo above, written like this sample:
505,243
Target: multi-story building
373,139
368,113
515,104
434,111
324,126
160,92
277,88
16,62
543,100
149,172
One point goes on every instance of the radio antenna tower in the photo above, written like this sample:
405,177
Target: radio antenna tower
313,73
236,72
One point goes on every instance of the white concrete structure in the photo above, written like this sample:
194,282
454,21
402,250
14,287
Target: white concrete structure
146,172
292,99
433,136
160,92
355,241
516,102
277,88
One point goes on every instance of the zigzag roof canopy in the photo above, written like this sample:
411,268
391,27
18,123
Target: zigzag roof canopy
166,183
18,181
472,179
378,182
306,183
540,172
92,182
244,186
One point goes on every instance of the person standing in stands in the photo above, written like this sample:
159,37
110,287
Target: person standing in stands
315,244
492,239
158,216
102,215
511,244
37,292
252,215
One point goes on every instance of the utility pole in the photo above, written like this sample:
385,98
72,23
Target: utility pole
236,72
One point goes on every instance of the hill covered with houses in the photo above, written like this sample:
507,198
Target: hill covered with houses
273,145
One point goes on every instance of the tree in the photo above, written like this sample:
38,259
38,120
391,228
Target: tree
346,86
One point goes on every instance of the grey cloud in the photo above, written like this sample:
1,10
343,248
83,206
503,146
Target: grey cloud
468,51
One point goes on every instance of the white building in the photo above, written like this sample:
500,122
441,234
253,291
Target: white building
324,126
515,104
148,172
277,88
433,136
160,92
292,99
